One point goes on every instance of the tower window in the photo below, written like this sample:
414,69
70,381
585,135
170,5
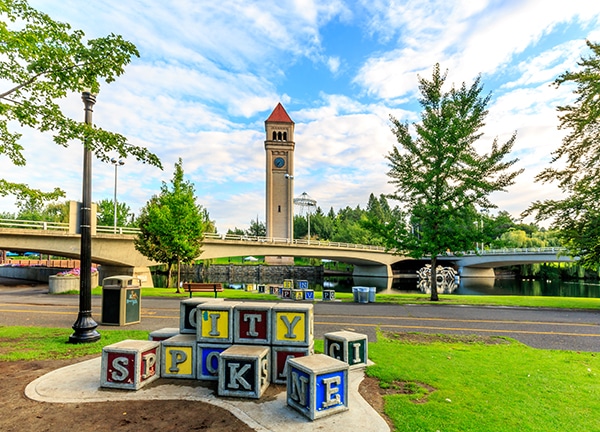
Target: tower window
279,136
279,209
274,136
285,136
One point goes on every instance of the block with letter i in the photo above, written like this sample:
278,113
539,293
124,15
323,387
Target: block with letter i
187,314
347,346
130,364
244,371
292,324
317,385
178,357
252,323
214,322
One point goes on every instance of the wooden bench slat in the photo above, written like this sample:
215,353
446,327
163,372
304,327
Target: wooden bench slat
193,287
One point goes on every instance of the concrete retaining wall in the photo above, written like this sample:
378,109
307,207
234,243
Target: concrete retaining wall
40,274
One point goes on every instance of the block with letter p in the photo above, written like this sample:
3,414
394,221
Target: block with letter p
178,357
317,385
130,364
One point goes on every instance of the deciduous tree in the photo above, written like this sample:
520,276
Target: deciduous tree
172,224
577,216
439,176
43,61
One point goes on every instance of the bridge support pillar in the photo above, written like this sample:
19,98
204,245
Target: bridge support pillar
382,270
476,272
140,272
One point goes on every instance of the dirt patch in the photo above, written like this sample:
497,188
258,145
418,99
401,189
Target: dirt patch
427,338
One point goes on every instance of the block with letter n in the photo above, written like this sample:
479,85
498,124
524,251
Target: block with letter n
347,346
130,364
317,385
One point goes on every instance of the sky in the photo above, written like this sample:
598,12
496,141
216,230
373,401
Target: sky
210,73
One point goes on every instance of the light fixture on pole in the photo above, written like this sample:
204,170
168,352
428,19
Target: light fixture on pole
290,207
85,326
304,201
116,163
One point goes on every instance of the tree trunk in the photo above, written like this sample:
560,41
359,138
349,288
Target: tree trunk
169,275
434,293
178,274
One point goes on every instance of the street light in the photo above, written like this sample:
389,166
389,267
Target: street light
116,163
305,201
85,326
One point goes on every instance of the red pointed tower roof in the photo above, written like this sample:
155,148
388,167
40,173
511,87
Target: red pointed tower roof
279,115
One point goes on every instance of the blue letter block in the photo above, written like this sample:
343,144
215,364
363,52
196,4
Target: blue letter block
317,385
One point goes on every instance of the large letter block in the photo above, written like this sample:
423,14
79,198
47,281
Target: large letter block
298,294
178,357
348,347
292,324
215,322
302,284
279,357
309,294
163,333
288,283
187,314
130,364
328,295
208,361
317,385
252,323
244,371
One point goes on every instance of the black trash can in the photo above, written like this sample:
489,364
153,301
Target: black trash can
121,300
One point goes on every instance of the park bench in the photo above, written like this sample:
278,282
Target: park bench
193,287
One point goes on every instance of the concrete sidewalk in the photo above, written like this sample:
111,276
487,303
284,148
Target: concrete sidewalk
80,382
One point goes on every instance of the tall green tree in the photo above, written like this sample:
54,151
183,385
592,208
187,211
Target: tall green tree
105,213
41,62
439,176
172,224
577,216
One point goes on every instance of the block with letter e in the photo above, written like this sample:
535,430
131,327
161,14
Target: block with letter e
130,364
317,385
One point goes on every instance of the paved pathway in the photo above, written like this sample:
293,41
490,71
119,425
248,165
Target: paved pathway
540,328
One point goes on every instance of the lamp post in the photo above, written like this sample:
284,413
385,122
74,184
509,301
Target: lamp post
305,201
85,326
116,163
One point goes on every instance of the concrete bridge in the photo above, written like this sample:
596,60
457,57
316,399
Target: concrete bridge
116,253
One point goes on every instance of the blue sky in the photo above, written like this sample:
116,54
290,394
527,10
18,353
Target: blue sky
210,73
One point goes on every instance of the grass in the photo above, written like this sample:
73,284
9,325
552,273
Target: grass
436,382
42,343
480,387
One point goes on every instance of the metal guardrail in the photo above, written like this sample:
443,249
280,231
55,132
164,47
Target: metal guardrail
60,226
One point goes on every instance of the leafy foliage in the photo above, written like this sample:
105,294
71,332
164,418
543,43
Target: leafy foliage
577,216
42,62
172,224
105,213
439,176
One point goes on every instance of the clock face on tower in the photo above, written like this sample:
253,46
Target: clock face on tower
279,162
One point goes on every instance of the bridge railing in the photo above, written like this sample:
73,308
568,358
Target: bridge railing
513,251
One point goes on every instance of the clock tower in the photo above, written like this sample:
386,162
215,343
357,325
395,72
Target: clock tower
279,147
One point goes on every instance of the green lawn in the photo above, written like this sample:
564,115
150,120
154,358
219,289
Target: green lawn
454,385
